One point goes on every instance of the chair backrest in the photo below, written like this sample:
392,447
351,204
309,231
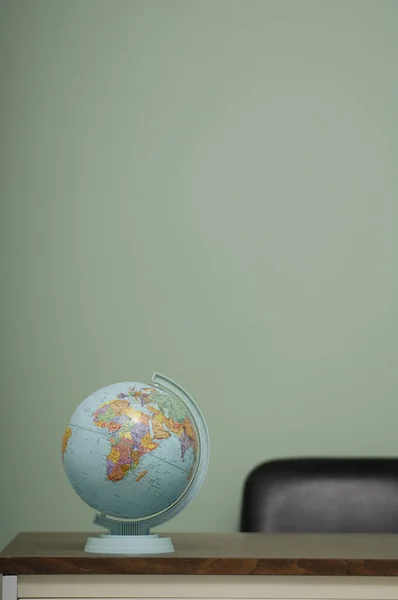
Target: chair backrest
322,496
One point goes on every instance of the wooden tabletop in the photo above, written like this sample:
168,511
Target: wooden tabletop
210,554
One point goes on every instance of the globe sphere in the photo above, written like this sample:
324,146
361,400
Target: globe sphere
136,451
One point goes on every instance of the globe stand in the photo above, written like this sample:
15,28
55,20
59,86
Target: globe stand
127,538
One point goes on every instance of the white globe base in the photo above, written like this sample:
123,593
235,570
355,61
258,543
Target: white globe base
129,545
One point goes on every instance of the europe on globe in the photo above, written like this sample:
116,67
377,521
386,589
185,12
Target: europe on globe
137,453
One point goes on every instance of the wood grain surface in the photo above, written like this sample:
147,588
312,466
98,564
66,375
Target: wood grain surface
210,554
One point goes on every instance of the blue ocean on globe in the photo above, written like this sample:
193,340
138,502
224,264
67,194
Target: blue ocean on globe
131,450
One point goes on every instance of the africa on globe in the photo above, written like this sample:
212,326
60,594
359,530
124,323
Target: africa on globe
137,453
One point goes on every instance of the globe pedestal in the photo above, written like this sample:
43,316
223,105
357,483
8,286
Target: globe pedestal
126,537
129,545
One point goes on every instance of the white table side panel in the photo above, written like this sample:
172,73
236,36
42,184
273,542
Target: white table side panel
229,587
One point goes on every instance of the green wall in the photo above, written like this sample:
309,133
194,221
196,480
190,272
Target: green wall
206,188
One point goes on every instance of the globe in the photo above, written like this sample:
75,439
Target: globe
138,454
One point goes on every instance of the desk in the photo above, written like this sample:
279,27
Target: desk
206,566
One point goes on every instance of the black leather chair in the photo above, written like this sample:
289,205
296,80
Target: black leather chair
322,496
